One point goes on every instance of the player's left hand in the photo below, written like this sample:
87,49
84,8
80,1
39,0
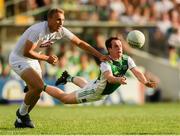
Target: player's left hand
123,80
104,58
151,84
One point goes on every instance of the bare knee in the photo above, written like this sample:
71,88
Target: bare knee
37,89
33,79
68,99
68,102
64,100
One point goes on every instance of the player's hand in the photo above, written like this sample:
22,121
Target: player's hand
52,59
151,84
104,58
122,80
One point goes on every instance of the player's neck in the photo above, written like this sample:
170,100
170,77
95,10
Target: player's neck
50,29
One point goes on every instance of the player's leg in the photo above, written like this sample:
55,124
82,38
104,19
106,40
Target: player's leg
65,77
80,96
30,72
35,100
23,119
66,98
35,85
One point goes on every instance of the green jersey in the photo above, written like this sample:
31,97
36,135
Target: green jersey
118,68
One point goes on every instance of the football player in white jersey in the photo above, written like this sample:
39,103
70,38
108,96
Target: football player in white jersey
24,59
111,77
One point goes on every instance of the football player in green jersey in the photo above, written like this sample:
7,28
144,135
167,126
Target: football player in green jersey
110,78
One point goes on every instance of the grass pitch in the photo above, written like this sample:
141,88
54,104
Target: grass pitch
102,120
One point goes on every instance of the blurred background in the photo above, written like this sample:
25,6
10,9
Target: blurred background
94,21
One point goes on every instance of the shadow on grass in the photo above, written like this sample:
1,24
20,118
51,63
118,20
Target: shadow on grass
12,129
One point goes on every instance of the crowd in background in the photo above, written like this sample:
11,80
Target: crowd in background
164,38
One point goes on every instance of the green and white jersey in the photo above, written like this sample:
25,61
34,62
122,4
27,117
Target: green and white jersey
118,68
99,89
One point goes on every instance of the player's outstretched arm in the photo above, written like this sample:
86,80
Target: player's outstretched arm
140,76
85,46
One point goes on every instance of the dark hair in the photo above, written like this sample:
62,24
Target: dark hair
108,42
51,12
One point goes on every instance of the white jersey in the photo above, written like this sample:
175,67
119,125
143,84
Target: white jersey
40,35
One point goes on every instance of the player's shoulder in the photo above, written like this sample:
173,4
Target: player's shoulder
64,29
39,26
105,63
66,32
125,57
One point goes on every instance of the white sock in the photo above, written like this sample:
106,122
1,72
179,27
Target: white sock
24,109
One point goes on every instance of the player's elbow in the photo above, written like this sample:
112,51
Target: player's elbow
76,40
27,54
80,43
109,78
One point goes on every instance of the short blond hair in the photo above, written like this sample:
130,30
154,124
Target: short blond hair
51,12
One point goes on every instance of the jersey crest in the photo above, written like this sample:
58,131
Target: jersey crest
48,40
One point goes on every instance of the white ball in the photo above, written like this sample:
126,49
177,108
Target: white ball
136,38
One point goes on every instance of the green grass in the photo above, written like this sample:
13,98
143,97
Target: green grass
86,120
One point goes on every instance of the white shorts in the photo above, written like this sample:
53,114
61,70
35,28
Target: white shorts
89,94
19,64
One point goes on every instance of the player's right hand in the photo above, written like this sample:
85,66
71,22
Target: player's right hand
52,59
105,58
151,84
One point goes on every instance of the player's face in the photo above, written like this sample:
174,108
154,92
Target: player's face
56,21
116,49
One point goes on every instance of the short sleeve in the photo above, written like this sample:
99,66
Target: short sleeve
67,34
33,36
131,63
104,66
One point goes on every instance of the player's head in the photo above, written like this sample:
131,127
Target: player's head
114,46
55,19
